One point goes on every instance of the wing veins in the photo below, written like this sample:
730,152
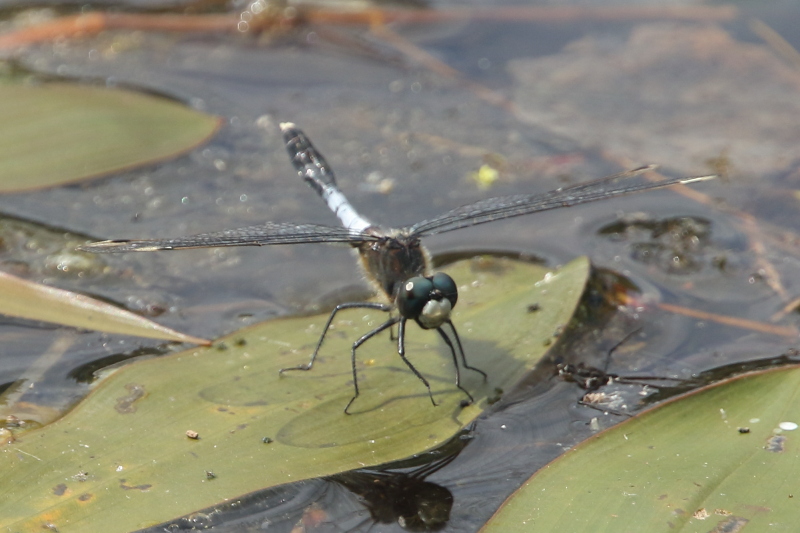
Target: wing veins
503,207
263,235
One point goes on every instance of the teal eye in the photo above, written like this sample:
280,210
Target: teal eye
413,296
446,286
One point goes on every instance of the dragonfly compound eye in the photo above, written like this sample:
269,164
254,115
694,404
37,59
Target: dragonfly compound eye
446,286
427,300
413,296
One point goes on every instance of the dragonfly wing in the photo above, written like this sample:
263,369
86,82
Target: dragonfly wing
523,204
266,234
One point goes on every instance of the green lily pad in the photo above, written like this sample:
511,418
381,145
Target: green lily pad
34,301
122,460
718,460
59,133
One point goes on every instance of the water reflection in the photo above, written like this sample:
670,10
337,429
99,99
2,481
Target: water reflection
396,495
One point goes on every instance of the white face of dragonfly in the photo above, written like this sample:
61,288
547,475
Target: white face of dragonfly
435,313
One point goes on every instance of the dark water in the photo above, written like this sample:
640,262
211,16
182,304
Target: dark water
586,99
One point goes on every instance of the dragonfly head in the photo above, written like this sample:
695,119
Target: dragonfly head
428,300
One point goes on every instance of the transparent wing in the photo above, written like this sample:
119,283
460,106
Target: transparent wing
266,234
523,204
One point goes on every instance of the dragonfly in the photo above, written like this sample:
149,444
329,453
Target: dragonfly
393,259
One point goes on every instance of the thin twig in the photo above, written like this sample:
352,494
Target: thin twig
775,41
743,323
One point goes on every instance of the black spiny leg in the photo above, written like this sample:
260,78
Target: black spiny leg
401,350
389,323
455,364
463,355
353,305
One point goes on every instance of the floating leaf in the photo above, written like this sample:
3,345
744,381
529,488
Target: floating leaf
122,459
716,460
26,299
59,133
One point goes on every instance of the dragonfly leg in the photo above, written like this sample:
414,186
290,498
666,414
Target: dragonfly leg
613,349
340,307
401,350
455,363
604,410
388,324
463,355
